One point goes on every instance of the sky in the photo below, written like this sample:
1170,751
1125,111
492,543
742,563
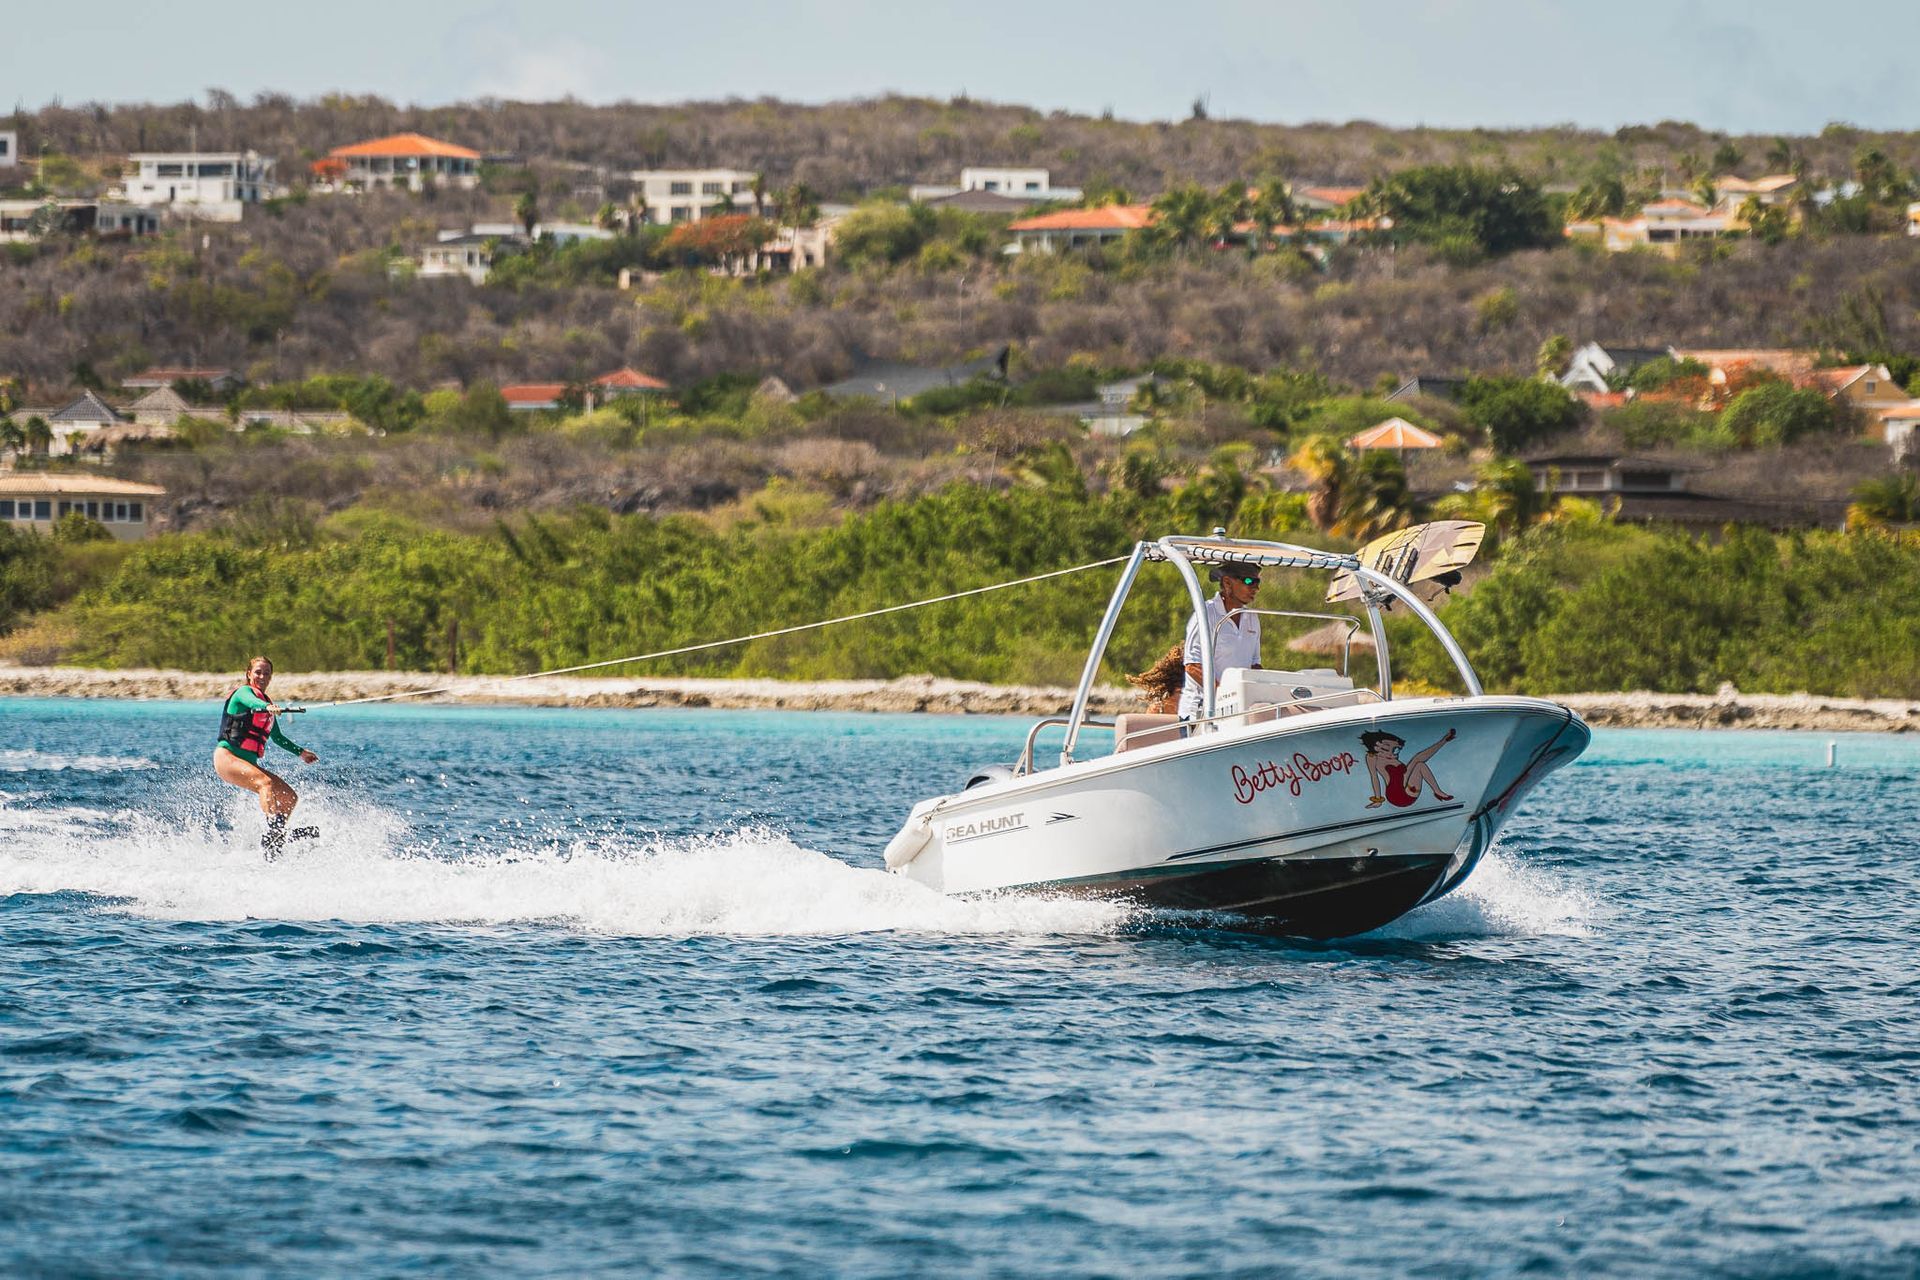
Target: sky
1762,66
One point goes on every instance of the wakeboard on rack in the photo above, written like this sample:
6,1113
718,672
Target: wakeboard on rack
1430,555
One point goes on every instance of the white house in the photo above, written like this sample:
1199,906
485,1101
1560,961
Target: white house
410,160
559,232
1034,185
688,195
26,220
460,253
35,501
215,185
77,420
1593,363
9,148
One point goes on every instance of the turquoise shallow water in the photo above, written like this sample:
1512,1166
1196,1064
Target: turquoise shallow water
567,993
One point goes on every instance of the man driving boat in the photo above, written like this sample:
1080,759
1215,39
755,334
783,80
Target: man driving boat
1236,635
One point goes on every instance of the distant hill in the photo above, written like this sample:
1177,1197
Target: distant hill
845,148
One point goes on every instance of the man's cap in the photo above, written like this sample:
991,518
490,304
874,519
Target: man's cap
1234,569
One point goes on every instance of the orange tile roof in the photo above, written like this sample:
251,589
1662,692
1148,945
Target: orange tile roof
1394,433
1786,361
1839,379
533,392
632,378
403,144
1108,217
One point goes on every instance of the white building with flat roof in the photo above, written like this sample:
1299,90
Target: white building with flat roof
1017,183
215,185
688,195
9,148
37,501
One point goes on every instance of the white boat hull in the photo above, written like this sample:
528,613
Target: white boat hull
1282,822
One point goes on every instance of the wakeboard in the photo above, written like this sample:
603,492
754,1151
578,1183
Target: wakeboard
1427,557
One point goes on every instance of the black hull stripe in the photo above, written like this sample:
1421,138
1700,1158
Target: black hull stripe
1351,824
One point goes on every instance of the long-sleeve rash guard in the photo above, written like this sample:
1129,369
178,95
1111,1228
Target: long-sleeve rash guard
245,699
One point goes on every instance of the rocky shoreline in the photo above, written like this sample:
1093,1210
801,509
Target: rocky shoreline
1727,709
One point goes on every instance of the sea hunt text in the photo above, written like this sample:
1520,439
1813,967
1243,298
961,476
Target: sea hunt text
986,827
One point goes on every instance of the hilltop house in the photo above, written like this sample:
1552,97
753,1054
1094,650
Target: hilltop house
621,383
1427,384
687,195
36,500
1870,386
221,380
72,423
462,253
891,381
9,148
1078,228
534,397
1325,199
1593,364
28,220
409,160
1771,189
1016,186
215,185
1897,425
1651,490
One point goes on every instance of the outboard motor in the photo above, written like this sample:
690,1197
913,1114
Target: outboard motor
988,773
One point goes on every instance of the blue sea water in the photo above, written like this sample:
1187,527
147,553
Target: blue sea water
568,993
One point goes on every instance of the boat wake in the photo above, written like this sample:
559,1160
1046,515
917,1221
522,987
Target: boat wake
366,869
1503,898
369,868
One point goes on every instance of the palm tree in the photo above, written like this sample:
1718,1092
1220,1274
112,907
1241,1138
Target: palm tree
1887,500
526,211
1603,196
1780,156
1273,206
1182,215
1377,500
39,435
12,439
1327,467
1228,210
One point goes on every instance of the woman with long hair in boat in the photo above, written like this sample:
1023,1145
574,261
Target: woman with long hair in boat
249,719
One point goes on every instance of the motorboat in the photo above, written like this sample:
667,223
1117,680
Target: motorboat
1298,801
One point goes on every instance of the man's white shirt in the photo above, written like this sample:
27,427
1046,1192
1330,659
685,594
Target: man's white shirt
1235,644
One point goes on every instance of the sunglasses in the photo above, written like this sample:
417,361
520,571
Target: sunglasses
1252,582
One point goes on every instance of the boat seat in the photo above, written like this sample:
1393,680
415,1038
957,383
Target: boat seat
1138,729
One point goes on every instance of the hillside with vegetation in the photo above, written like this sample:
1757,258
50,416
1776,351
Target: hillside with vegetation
501,541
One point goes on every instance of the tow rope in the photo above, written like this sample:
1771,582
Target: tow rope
721,644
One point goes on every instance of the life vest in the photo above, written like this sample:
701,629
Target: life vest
244,730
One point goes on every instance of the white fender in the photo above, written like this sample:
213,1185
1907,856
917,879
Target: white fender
912,840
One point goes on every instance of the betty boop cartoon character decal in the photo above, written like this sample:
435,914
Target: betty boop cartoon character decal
1398,781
